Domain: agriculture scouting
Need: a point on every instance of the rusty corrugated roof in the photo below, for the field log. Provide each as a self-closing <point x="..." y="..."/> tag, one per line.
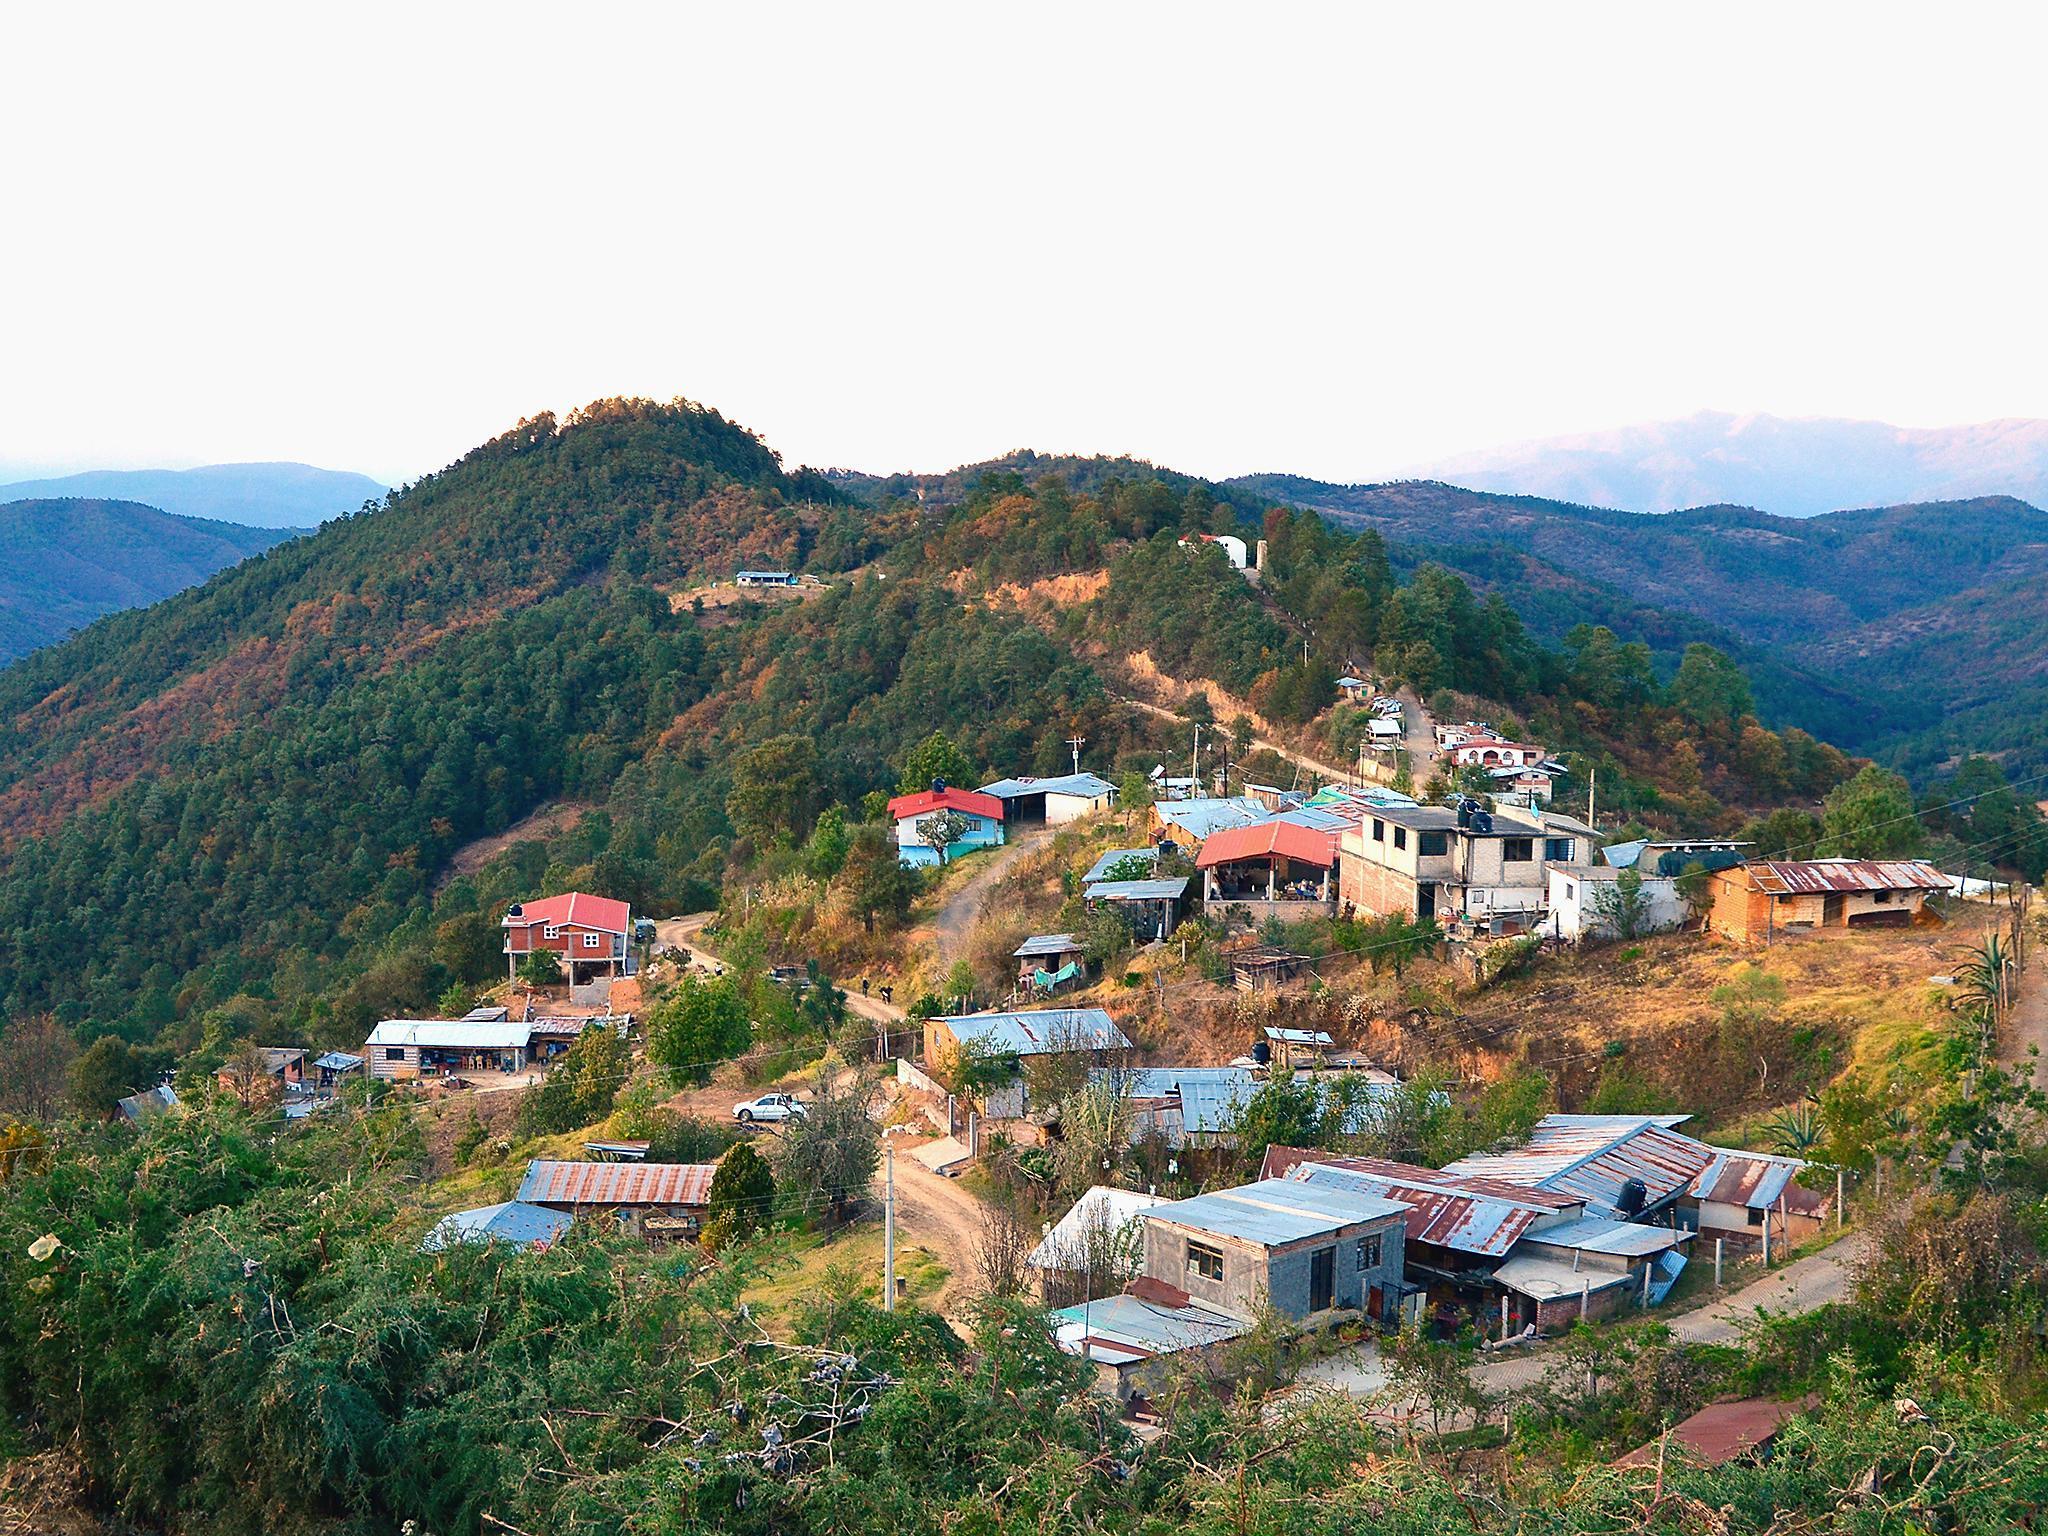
<point x="1593" y="1156"/>
<point x="1814" y="877"/>
<point x="1475" y="1215"/>
<point x="1722" y="1431"/>
<point x="605" y="1184"/>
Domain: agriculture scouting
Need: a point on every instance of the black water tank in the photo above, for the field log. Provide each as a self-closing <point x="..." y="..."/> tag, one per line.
<point x="1464" y="813"/>
<point x="938" y="786"/>
<point x="1482" y="821"/>
<point x="1262" y="1053"/>
<point x="515" y="910"/>
<point x="1634" y="1196"/>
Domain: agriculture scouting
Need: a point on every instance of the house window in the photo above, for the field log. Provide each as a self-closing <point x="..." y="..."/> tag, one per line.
<point x="1205" y="1262"/>
<point x="1517" y="850"/>
<point x="1558" y="850"/>
<point x="394" y="1053"/>
<point x="1379" y="831"/>
<point x="1756" y="1216"/>
<point x="592" y="941"/>
<point x="1433" y="845"/>
<point x="1570" y="893"/>
<point x="552" y="931"/>
<point x="1881" y="896"/>
<point x="1369" y="1253"/>
<point x="1400" y="837"/>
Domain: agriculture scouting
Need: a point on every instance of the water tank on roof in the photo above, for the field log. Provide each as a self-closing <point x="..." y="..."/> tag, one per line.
<point x="1465" y="809"/>
<point x="1633" y="1197"/>
<point x="1482" y="821"/>
<point x="515" y="910"/>
<point x="938" y="786"/>
<point x="1262" y="1053"/>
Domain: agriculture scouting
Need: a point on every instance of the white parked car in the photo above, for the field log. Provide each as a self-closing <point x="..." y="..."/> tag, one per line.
<point x="769" y="1107"/>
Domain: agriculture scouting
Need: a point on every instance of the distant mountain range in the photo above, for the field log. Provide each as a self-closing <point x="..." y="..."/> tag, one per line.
<point x="65" y="562"/>
<point x="1794" y="467"/>
<point x="255" y="495"/>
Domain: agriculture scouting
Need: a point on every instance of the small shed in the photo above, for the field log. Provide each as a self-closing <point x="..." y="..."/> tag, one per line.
<point x="1721" y="1432"/>
<point x="1264" y="967"/>
<point x="1048" y="961"/>
<point x="651" y="1198"/>
<point x="1151" y="907"/>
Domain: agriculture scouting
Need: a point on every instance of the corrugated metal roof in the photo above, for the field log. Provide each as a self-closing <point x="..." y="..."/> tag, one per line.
<point x="1622" y="1239"/>
<point x="1211" y="1098"/>
<point x="1046" y="944"/>
<point x="1120" y="1330"/>
<point x="1593" y="1156"/>
<point x="1087" y="786"/>
<point x="1298" y="1036"/>
<point x="1205" y="816"/>
<point x="1449" y="1213"/>
<point x="1137" y="890"/>
<point x="339" y="1061"/>
<point x="1754" y="1179"/>
<point x="1808" y="877"/>
<point x="1274" y="1212"/>
<point x="515" y="1223"/>
<point x="1263" y="840"/>
<point x="1033" y="1032"/>
<point x="1103" y="1209"/>
<point x="549" y="1182"/>
<point x="1115" y="856"/>
<point x="453" y="1034"/>
<point x="1720" y="1432"/>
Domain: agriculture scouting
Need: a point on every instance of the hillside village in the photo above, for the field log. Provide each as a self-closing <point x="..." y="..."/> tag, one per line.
<point x="1232" y="1022"/>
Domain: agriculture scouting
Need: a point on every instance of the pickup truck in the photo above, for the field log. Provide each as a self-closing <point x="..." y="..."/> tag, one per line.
<point x="769" y="1107"/>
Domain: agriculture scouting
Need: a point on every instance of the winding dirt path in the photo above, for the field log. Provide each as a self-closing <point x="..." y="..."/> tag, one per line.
<point x="956" y="915"/>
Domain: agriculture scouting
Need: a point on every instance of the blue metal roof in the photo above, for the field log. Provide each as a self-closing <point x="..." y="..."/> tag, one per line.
<point x="1275" y="1212"/>
<point x="1121" y="1330"/>
<point x="1088" y="786"/>
<point x="1036" y="1031"/>
<point x="513" y="1222"/>
<point x="1211" y="1098"/>
<point x="1138" y="890"/>
<point x="339" y="1061"/>
<point x="1199" y="818"/>
<point x="1116" y="856"/>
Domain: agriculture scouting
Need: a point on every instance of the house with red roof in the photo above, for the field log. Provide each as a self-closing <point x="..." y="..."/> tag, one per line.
<point x="1272" y="866"/>
<point x="913" y="815"/>
<point x="590" y="935"/>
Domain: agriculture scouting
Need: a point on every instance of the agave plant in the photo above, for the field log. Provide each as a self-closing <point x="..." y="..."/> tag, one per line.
<point x="1794" y="1130"/>
<point x="1983" y="979"/>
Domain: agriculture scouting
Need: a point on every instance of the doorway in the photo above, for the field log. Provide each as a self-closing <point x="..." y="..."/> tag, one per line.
<point x="1322" y="1279"/>
<point x="1425" y="901"/>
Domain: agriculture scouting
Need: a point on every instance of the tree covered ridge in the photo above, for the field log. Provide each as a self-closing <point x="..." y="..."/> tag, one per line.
<point x="248" y="795"/>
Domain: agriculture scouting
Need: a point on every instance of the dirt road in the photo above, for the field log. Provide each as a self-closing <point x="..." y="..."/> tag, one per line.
<point x="2027" y="1030"/>
<point x="955" y="919"/>
<point x="1330" y="772"/>
<point x="1805" y="1285"/>
<point x="936" y="1213"/>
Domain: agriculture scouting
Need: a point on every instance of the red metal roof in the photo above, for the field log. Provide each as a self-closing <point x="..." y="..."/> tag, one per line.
<point x="1807" y="877"/>
<point x="577" y="907"/>
<point x="607" y="1184"/>
<point x="970" y="801"/>
<point x="1262" y="839"/>
<point x="1722" y="1431"/>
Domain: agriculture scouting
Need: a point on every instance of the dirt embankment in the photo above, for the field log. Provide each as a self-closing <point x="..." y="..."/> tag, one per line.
<point x="549" y="821"/>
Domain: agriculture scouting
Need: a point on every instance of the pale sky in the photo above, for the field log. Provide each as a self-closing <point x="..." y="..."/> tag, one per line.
<point x="1229" y="238"/>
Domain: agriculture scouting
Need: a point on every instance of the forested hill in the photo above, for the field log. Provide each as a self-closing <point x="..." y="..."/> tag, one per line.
<point x="1889" y="629"/>
<point x="235" y="812"/>
<point x="65" y="562"/>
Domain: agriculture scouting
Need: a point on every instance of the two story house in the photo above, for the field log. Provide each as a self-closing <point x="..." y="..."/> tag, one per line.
<point x="589" y="935"/>
<point x="1483" y="867"/>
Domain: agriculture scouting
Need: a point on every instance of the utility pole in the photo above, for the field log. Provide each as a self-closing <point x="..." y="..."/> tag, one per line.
<point x="1592" y="778"/>
<point x="1195" y="762"/>
<point x="889" y="1237"/>
<point x="1077" y="743"/>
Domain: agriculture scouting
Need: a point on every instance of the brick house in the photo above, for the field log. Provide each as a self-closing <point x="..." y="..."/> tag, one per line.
<point x="1754" y="902"/>
<point x="590" y="935"/>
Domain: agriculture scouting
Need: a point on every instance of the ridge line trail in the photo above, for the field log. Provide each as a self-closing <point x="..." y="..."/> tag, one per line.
<point x="1420" y="738"/>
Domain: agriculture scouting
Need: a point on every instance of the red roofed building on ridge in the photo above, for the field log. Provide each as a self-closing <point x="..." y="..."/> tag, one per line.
<point x="982" y="813"/>
<point x="590" y="935"/>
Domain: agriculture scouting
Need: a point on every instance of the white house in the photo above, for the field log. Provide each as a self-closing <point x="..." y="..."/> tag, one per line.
<point x="1574" y="902"/>
<point x="1232" y="546"/>
<point x="1030" y="801"/>
<point x="1492" y="752"/>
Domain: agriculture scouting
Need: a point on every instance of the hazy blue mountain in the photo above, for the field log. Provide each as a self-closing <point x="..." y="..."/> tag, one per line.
<point x="66" y="562"/>
<point x="1796" y="468"/>
<point x="253" y="495"/>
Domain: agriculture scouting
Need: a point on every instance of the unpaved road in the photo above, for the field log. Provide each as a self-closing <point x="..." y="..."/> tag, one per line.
<point x="1330" y="771"/>
<point x="956" y="916"/>
<point x="936" y="1213"/>
<point x="2027" y="1029"/>
<point x="1805" y="1285"/>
